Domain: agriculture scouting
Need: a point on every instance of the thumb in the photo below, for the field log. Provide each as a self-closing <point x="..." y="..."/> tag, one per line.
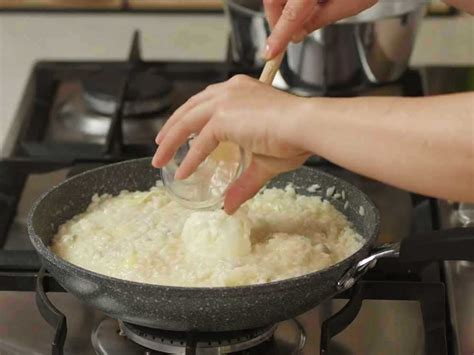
<point x="247" y="185"/>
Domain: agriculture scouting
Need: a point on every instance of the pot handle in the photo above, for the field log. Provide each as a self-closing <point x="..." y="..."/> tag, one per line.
<point x="447" y="244"/>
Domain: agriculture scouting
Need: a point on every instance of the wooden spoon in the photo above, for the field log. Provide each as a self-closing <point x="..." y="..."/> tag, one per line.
<point x="270" y="69"/>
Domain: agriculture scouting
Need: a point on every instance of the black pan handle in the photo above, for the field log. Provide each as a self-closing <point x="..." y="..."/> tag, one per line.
<point x="447" y="244"/>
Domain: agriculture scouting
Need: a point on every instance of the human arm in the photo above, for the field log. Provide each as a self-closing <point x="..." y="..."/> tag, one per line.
<point x="421" y="144"/>
<point x="424" y="145"/>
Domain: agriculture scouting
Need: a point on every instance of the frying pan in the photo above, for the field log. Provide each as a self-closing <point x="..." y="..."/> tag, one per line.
<point x="221" y="308"/>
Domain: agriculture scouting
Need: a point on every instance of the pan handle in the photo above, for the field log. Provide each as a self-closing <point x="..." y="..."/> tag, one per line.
<point x="447" y="244"/>
<point x="355" y="272"/>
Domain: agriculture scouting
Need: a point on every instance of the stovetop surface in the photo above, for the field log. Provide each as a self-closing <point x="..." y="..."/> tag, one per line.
<point x="45" y="152"/>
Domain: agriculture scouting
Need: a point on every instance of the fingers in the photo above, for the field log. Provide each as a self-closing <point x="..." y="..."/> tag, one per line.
<point x="334" y="10"/>
<point x="301" y="34"/>
<point x="261" y="170"/>
<point x="291" y="21"/>
<point x="246" y="186"/>
<point x="273" y="9"/>
<point x="195" y="100"/>
<point x="202" y="146"/>
<point x="300" y="17"/>
<point x="192" y="122"/>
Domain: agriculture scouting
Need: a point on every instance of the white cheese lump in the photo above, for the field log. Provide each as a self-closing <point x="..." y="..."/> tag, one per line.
<point x="147" y="237"/>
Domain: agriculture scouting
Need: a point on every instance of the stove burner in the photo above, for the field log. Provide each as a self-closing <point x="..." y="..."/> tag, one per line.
<point x="148" y="93"/>
<point x="108" y="339"/>
<point x="93" y="127"/>
<point x="112" y="337"/>
<point x="171" y="342"/>
<point x="73" y="121"/>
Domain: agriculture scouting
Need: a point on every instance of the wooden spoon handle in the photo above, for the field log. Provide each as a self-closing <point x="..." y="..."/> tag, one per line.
<point x="271" y="68"/>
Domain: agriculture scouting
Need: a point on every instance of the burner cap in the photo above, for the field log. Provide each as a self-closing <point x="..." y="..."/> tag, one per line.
<point x="148" y="92"/>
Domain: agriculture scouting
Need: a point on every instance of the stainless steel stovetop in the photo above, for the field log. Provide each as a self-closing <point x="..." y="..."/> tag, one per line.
<point x="48" y="131"/>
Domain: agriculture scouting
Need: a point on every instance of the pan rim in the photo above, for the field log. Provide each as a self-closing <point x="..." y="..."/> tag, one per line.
<point x="44" y="251"/>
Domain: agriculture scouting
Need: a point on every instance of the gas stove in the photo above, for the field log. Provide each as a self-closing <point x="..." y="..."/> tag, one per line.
<point x="78" y="110"/>
<point x="78" y="115"/>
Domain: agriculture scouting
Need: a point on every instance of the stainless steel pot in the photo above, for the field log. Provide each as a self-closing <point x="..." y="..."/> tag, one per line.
<point x="373" y="47"/>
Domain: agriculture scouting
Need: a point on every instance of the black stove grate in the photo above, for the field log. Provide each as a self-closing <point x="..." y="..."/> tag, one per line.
<point x="14" y="173"/>
<point x="430" y="295"/>
<point x="50" y="313"/>
<point x="114" y="141"/>
<point x="14" y="276"/>
<point x="37" y="103"/>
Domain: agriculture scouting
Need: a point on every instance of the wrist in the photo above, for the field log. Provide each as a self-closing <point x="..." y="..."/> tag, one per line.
<point x="308" y="123"/>
<point x="321" y="120"/>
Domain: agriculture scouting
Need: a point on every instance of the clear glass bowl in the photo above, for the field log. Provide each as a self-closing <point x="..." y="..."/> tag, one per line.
<point x="206" y="187"/>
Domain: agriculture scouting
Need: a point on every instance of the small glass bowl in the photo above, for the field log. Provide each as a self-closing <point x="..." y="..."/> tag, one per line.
<point x="206" y="187"/>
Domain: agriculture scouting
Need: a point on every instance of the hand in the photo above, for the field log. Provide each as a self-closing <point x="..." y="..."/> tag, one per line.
<point x="292" y="20"/>
<point x="257" y="117"/>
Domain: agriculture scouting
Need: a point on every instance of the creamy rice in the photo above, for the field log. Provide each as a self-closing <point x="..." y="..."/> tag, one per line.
<point x="147" y="237"/>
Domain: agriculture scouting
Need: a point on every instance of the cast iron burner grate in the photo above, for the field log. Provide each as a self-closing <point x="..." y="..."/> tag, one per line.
<point x="108" y="109"/>
<point x="114" y="337"/>
<point x="148" y="93"/>
<point x="15" y="275"/>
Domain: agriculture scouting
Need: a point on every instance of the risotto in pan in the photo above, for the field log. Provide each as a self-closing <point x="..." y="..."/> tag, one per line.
<point x="147" y="237"/>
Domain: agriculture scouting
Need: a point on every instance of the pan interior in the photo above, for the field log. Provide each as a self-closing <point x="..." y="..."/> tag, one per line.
<point x="74" y="195"/>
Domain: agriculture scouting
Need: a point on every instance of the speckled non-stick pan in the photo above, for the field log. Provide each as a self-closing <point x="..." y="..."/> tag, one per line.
<point x="219" y="308"/>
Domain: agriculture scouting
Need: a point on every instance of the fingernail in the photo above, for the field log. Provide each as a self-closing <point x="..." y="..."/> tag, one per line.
<point x="297" y="39"/>
<point x="229" y="210"/>
<point x="154" y="162"/>
<point x="268" y="52"/>
<point x="178" y="175"/>
<point x="159" y="138"/>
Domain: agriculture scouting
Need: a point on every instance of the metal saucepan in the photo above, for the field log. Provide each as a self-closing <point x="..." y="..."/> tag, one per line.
<point x="372" y="47"/>
<point x="220" y="308"/>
